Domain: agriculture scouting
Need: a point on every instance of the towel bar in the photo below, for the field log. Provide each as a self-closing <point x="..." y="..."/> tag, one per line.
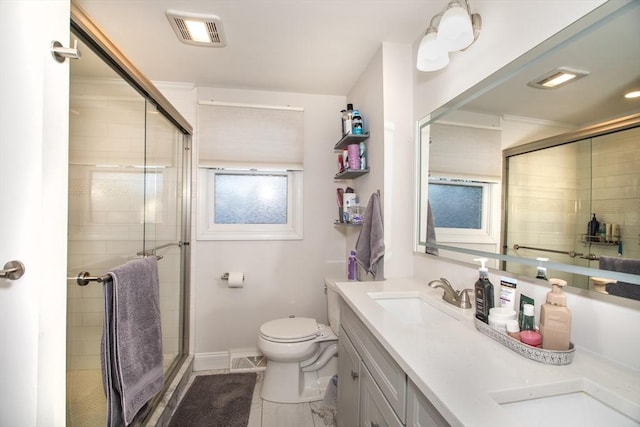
<point x="84" y="277"/>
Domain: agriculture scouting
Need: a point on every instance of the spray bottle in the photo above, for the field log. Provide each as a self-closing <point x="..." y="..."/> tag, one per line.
<point x="484" y="292"/>
<point x="351" y="266"/>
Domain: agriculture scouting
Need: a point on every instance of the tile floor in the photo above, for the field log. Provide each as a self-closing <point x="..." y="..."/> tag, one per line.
<point x="269" y="414"/>
<point x="88" y="405"/>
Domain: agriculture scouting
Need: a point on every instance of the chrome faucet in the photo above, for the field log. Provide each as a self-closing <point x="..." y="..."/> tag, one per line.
<point x="450" y="295"/>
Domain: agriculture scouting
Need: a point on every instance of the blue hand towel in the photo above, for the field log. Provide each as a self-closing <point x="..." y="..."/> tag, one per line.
<point x="370" y="244"/>
<point x="131" y="340"/>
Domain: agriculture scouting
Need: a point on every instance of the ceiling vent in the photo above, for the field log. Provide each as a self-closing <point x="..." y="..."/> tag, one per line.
<point x="197" y="29"/>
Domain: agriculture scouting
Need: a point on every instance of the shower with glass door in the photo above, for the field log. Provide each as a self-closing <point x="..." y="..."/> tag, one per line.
<point x="128" y="197"/>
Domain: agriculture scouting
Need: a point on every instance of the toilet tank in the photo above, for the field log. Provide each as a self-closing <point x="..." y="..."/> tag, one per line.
<point x="333" y="306"/>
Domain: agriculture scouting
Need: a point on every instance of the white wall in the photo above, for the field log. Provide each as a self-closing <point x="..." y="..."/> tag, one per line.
<point x="282" y="277"/>
<point x="383" y="94"/>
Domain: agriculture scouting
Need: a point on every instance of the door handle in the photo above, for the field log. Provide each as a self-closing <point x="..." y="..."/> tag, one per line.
<point x="354" y="375"/>
<point x="13" y="270"/>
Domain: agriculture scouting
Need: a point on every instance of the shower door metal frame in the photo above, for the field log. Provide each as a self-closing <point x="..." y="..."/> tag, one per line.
<point x="84" y="28"/>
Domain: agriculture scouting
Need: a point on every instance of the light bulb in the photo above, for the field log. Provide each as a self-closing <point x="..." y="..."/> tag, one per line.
<point x="432" y="56"/>
<point x="455" y="31"/>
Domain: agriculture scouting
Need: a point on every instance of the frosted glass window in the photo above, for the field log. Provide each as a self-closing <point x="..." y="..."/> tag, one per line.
<point x="250" y="205"/>
<point x="250" y="199"/>
<point x="456" y="205"/>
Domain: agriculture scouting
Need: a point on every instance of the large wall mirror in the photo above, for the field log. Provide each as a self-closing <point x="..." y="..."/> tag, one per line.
<point x="514" y="172"/>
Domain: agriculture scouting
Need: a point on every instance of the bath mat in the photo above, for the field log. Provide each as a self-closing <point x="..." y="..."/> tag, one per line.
<point x="222" y="400"/>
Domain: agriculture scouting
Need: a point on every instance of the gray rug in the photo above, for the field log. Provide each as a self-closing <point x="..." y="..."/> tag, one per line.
<point x="222" y="400"/>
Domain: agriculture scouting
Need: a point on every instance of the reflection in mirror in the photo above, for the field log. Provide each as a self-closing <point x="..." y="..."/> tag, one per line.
<point x="552" y="194"/>
<point x="461" y="145"/>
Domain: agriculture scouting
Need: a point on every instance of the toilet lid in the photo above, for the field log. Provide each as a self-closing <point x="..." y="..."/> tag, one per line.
<point x="290" y="329"/>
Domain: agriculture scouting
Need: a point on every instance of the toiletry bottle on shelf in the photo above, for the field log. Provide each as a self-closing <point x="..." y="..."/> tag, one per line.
<point x="351" y="271"/>
<point x="513" y="329"/>
<point x="363" y="157"/>
<point x="483" y="292"/>
<point x="555" y="318"/>
<point x="593" y="228"/>
<point x="541" y="272"/>
<point x="528" y="334"/>
<point x="357" y="127"/>
<point x="347" y="116"/>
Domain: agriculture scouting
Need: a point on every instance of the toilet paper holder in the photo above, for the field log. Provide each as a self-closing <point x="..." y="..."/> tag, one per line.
<point x="225" y="276"/>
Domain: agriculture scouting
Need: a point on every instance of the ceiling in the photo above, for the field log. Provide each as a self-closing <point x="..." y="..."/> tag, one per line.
<point x="323" y="46"/>
<point x="304" y="46"/>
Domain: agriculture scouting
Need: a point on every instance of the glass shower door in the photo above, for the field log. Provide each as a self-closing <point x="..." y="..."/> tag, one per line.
<point x="105" y="218"/>
<point x="163" y="221"/>
<point x="126" y="200"/>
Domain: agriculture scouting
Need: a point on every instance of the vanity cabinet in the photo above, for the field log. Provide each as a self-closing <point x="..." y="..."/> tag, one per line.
<point x="375" y="410"/>
<point x="373" y="390"/>
<point x="348" y="382"/>
<point x="421" y="412"/>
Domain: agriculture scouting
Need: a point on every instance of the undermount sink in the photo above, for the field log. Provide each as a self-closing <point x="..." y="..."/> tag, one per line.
<point x="410" y="308"/>
<point x="572" y="403"/>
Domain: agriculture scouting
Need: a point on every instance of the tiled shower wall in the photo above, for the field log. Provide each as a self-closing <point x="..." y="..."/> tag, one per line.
<point x="554" y="192"/>
<point x="108" y="212"/>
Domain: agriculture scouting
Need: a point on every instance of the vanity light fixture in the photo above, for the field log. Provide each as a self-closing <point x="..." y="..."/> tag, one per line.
<point x="197" y="29"/>
<point x="557" y="78"/>
<point x="452" y="30"/>
<point x="632" y="95"/>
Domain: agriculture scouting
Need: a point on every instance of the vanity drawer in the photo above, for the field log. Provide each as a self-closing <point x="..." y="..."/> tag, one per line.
<point x="387" y="374"/>
<point x="374" y="408"/>
<point x="421" y="412"/>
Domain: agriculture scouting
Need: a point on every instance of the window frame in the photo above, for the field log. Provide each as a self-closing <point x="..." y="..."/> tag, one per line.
<point x="209" y="230"/>
<point x="484" y="234"/>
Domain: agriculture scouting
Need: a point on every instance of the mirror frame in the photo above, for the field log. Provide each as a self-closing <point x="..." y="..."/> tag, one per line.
<point x="586" y="23"/>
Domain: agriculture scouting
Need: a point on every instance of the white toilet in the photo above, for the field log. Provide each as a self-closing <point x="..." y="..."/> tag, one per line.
<point x="300" y="355"/>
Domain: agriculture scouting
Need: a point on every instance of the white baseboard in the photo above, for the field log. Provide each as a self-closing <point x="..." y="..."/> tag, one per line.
<point x="209" y="361"/>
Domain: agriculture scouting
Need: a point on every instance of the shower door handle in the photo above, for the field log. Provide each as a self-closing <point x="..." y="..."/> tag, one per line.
<point x="13" y="270"/>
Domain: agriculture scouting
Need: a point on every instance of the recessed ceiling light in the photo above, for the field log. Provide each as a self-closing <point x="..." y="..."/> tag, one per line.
<point x="633" y="94"/>
<point x="557" y="78"/>
<point x="197" y="29"/>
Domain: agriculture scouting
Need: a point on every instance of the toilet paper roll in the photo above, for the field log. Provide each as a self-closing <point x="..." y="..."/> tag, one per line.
<point x="236" y="279"/>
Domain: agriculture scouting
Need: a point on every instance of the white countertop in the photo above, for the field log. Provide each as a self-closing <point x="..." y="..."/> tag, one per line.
<point x="458" y="368"/>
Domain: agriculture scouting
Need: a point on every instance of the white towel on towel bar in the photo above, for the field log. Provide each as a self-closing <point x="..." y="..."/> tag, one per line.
<point x="132" y="339"/>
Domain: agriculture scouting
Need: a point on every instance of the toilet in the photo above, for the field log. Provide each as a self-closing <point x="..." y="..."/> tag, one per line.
<point x="301" y="355"/>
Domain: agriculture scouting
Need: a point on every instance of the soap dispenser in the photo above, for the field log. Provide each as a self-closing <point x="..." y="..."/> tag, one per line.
<point x="555" y="318"/>
<point x="541" y="272"/>
<point x="484" y="292"/>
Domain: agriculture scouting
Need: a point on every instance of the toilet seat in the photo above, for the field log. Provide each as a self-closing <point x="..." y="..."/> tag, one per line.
<point x="293" y="329"/>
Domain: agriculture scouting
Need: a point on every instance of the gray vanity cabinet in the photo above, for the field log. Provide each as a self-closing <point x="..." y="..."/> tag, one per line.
<point x="375" y="410"/>
<point x="348" y="382"/>
<point x="373" y="390"/>
<point x="421" y="412"/>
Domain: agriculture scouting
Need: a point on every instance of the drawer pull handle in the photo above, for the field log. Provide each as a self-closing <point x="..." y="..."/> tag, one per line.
<point x="354" y="375"/>
<point x="374" y="424"/>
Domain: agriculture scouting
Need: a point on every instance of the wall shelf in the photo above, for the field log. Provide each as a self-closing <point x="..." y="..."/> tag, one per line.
<point x="350" y="139"/>
<point x="351" y="173"/>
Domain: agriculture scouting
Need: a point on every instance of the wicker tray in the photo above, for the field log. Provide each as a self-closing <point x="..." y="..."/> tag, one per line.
<point x="551" y="357"/>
